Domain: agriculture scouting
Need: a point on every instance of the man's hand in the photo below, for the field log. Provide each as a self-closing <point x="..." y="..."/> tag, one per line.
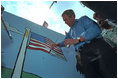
<point x="69" y="42"/>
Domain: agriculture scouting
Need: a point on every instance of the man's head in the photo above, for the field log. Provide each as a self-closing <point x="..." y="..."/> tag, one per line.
<point x="101" y="21"/>
<point x="98" y="17"/>
<point x="69" y="17"/>
<point x="104" y="24"/>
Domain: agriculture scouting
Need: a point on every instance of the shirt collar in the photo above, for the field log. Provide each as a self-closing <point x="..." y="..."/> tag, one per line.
<point x="76" y="20"/>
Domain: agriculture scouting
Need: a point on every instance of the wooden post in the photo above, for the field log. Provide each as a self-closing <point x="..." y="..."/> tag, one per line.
<point x="17" y="71"/>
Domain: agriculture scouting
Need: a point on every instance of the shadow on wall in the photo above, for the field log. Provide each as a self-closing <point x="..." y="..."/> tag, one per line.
<point x="5" y="40"/>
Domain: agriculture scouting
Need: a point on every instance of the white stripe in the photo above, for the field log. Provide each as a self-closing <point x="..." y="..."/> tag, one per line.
<point x="39" y="41"/>
<point x="47" y="49"/>
<point x="44" y="45"/>
<point x="39" y="47"/>
<point x="38" y="44"/>
<point x="35" y="40"/>
<point x="56" y="49"/>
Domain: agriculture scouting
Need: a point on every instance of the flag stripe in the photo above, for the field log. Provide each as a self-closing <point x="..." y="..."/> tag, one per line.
<point x="51" y="42"/>
<point x="44" y="48"/>
<point x="37" y="45"/>
<point x="38" y="49"/>
<point x="40" y="43"/>
<point x="58" y="52"/>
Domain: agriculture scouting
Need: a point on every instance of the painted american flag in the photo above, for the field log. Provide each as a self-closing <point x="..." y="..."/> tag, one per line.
<point x="39" y="42"/>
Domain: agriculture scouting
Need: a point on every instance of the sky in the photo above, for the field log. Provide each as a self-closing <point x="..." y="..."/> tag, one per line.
<point x="38" y="12"/>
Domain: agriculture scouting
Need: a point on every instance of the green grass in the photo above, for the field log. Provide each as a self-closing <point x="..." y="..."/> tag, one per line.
<point x="6" y="73"/>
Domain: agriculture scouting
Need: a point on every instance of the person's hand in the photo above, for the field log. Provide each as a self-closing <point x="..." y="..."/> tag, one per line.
<point x="69" y="42"/>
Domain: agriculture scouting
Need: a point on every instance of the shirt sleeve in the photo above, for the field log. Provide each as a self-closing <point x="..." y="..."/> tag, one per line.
<point x="67" y="37"/>
<point x="92" y="29"/>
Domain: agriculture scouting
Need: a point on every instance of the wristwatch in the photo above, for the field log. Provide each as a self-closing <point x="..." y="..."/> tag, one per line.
<point x="78" y="39"/>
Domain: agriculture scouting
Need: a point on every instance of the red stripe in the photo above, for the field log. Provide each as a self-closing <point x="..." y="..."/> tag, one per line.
<point x="38" y="49"/>
<point x="46" y="45"/>
<point x="58" y="52"/>
<point x="37" y="45"/>
<point x="49" y="40"/>
<point x="39" y="42"/>
<point x="43" y="50"/>
<point x="55" y="49"/>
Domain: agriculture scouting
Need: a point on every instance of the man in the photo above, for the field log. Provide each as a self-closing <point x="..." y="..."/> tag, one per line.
<point x="109" y="32"/>
<point x="97" y="57"/>
<point x="101" y="21"/>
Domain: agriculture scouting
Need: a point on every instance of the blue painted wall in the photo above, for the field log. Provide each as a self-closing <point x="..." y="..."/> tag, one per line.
<point x="36" y="62"/>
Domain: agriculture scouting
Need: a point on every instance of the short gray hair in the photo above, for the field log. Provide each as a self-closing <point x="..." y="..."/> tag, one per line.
<point x="68" y="12"/>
